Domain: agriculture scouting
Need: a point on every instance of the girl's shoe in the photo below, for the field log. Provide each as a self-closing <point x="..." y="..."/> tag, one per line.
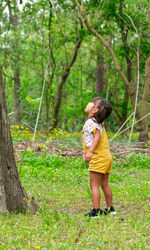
<point x="110" y="211"/>
<point x="94" y="213"/>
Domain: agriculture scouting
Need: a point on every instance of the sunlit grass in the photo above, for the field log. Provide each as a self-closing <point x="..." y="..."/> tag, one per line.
<point x="60" y="186"/>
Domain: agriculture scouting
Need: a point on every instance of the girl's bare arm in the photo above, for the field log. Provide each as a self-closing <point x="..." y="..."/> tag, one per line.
<point x="96" y="140"/>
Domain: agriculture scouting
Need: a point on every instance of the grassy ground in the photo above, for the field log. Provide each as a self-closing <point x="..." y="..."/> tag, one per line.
<point x="60" y="187"/>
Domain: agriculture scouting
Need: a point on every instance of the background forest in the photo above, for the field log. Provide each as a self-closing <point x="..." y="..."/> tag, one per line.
<point x="55" y="56"/>
<point x="45" y="44"/>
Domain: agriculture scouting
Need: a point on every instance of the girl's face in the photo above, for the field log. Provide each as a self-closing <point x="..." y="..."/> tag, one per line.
<point x="90" y="108"/>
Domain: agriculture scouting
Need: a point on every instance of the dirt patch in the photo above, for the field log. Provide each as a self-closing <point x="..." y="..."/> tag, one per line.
<point x="119" y="150"/>
<point x="122" y="151"/>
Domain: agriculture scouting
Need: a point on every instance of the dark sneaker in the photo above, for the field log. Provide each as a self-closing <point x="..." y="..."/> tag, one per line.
<point x="94" y="213"/>
<point x="110" y="211"/>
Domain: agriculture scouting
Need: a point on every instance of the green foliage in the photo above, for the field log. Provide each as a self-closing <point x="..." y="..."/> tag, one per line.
<point x="110" y="9"/>
<point x="136" y="161"/>
<point x="47" y="35"/>
<point x="33" y="101"/>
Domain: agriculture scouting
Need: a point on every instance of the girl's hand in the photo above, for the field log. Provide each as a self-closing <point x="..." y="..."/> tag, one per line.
<point x="88" y="156"/>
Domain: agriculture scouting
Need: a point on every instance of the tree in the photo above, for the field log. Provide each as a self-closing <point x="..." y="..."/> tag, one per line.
<point x="100" y="76"/>
<point x="43" y="41"/>
<point x="142" y="124"/>
<point x="14" y="21"/>
<point x="64" y="77"/>
<point x="13" y="196"/>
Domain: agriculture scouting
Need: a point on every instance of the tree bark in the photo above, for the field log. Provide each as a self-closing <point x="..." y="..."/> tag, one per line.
<point x="16" y="116"/>
<point x="144" y="133"/>
<point x="124" y="36"/>
<point x="13" y="196"/>
<point x="64" y="78"/>
<point x="51" y="69"/>
<point x="117" y="65"/>
<point x="100" y="79"/>
<point x="14" y="21"/>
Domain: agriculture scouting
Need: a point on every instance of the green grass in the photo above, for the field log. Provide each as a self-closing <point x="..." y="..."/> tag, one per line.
<point x="61" y="189"/>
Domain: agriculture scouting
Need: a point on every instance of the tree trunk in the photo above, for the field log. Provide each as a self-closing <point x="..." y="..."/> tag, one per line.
<point x="125" y="106"/>
<point x="64" y="77"/>
<point x="51" y="68"/>
<point x="16" y="116"/>
<point x="14" y="21"/>
<point x="124" y="36"/>
<point x="100" y="79"/>
<point x="144" y="133"/>
<point x="13" y="196"/>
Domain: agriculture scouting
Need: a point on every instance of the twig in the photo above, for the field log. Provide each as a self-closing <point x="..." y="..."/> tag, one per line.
<point x="121" y="127"/>
<point x="131" y="125"/>
<point x="138" y="75"/>
<point x="133" y="149"/>
<point x="37" y="119"/>
<point x="33" y="130"/>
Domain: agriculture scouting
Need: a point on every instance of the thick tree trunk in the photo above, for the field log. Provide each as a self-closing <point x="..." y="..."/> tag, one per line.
<point x="13" y="196"/>
<point x="64" y="77"/>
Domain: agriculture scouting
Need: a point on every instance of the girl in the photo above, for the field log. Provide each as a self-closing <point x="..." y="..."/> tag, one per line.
<point x="97" y="153"/>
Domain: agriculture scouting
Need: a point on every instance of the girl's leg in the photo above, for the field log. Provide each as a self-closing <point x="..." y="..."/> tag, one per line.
<point x="95" y="182"/>
<point x="107" y="190"/>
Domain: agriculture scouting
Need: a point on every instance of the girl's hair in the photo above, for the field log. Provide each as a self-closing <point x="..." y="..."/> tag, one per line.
<point x="104" y="109"/>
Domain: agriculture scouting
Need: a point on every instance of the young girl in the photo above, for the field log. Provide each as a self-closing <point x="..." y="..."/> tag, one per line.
<point x="97" y="153"/>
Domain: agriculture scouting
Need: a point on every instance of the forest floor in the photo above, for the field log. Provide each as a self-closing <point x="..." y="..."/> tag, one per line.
<point x="55" y="174"/>
<point x="59" y="148"/>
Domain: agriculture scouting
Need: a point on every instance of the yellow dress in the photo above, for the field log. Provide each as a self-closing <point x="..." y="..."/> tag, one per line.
<point x="101" y="161"/>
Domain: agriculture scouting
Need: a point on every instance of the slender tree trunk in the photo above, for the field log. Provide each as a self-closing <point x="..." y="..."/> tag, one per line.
<point x="16" y="116"/>
<point x="102" y="67"/>
<point x="124" y="36"/>
<point x="125" y="106"/>
<point x="100" y="79"/>
<point x="126" y="95"/>
<point x="144" y="133"/>
<point x="13" y="196"/>
<point x="63" y="80"/>
<point x="14" y="21"/>
<point x="51" y="68"/>
<point x="47" y="106"/>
